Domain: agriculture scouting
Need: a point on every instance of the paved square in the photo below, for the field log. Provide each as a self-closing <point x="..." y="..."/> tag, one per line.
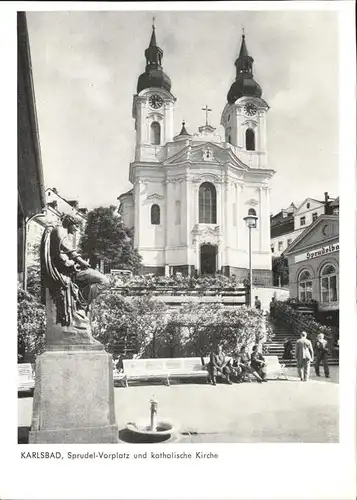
<point x="279" y="411"/>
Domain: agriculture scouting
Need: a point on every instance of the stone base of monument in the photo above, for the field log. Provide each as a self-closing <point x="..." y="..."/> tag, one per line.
<point x="74" y="398"/>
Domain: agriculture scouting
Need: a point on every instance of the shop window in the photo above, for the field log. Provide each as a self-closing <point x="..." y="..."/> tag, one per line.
<point x="328" y="283"/>
<point x="305" y="286"/>
<point x="207" y="201"/>
<point x="302" y="221"/>
<point x="314" y="216"/>
<point x="155" y="133"/>
<point x="155" y="215"/>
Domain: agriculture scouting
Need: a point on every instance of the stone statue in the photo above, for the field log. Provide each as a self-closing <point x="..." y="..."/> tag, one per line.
<point x="69" y="287"/>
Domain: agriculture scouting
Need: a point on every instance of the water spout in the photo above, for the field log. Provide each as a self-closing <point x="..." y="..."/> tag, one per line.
<point x="153" y="414"/>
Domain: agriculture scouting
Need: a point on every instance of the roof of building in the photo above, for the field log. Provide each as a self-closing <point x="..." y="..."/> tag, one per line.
<point x="308" y="230"/>
<point x="31" y="194"/>
<point x="72" y="203"/>
<point x="335" y="202"/>
<point x="286" y="227"/>
<point x="127" y="193"/>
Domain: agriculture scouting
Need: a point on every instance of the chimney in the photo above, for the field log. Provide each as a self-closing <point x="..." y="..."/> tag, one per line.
<point x="326" y="197"/>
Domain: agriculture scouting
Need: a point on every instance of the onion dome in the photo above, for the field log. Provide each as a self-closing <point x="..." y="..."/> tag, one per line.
<point x="244" y="84"/>
<point x="154" y="75"/>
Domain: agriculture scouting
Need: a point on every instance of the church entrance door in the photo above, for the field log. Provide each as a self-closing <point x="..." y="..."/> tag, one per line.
<point x="208" y="259"/>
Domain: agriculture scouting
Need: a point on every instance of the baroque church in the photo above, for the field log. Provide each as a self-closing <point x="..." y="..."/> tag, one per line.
<point x="191" y="192"/>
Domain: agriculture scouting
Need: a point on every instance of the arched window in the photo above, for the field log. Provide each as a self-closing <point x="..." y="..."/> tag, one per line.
<point x="328" y="283"/>
<point x="251" y="211"/>
<point x="249" y="140"/>
<point x="155" y="133"/>
<point x="207" y="204"/>
<point x="305" y="286"/>
<point x="155" y="214"/>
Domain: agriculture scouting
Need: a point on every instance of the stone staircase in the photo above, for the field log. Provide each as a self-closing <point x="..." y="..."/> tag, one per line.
<point x="281" y="331"/>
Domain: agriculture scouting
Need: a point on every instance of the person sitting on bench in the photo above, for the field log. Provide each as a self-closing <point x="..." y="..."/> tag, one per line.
<point x="258" y="364"/>
<point x="218" y="365"/>
<point x="237" y="370"/>
<point x="246" y="365"/>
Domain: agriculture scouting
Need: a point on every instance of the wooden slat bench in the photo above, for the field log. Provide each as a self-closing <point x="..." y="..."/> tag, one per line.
<point x="25" y="377"/>
<point x="274" y="369"/>
<point x="161" y="369"/>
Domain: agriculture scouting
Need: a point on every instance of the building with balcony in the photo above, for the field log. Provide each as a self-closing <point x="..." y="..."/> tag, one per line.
<point x="291" y="222"/>
<point x="56" y="206"/>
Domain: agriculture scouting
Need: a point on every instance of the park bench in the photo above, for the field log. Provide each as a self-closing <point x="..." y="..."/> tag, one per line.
<point x="25" y="377"/>
<point x="160" y="369"/>
<point x="274" y="369"/>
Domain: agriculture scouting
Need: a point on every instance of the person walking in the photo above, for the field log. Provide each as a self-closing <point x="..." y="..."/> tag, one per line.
<point x="304" y="355"/>
<point x="288" y="349"/>
<point x="257" y="303"/>
<point x="321" y="352"/>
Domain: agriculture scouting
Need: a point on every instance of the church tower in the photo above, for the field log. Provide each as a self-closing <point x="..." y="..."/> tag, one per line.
<point x="244" y="116"/>
<point x="153" y="106"/>
<point x="191" y="191"/>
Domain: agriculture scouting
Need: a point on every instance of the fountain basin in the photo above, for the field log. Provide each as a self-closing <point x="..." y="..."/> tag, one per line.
<point x="140" y="432"/>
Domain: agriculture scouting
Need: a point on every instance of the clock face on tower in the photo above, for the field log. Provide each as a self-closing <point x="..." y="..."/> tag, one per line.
<point x="250" y="109"/>
<point x="156" y="101"/>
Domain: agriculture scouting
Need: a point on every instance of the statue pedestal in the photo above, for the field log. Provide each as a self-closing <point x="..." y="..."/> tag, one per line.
<point x="74" y="398"/>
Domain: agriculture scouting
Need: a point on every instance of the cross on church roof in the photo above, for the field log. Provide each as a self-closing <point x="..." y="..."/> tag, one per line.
<point x="207" y="109"/>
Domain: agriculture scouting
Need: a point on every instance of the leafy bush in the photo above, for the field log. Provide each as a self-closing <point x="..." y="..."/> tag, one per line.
<point x="147" y="327"/>
<point x="298" y="321"/>
<point x="206" y="325"/>
<point x="177" y="281"/>
<point x="128" y="324"/>
<point x="34" y="281"/>
<point x="31" y="327"/>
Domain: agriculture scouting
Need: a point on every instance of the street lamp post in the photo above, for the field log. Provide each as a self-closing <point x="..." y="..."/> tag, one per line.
<point x="251" y="221"/>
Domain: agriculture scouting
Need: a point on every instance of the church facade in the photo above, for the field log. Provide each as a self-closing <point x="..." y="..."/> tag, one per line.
<point x="191" y="191"/>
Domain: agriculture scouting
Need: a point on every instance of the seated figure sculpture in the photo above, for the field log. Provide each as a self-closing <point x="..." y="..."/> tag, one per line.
<point x="70" y="285"/>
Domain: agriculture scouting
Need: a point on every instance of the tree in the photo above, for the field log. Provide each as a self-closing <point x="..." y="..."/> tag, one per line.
<point x="280" y="269"/>
<point x="31" y="327"/>
<point x="107" y="239"/>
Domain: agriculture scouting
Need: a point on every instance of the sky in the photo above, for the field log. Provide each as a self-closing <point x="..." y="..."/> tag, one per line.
<point x="85" y="71"/>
